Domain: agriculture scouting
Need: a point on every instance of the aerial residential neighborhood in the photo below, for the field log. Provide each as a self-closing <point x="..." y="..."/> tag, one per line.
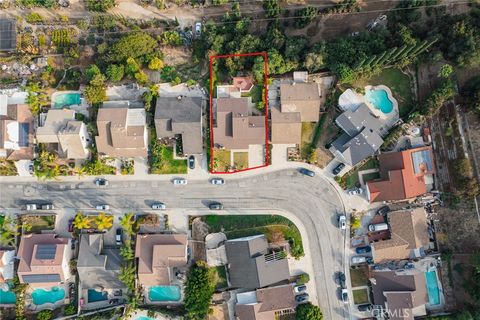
<point x="239" y="160"/>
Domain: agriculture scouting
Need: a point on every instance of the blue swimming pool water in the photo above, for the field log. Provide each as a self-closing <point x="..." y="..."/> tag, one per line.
<point x="94" y="295"/>
<point x="379" y="98"/>
<point x="7" y="297"/>
<point x="66" y="99"/>
<point x="164" y="293"/>
<point x="143" y="318"/>
<point x="432" y="288"/>
<point x="41" y="296"/>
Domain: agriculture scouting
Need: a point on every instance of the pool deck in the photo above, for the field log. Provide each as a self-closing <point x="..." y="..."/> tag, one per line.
<point x="389" y="118"/>
<point x="431" y="264"/>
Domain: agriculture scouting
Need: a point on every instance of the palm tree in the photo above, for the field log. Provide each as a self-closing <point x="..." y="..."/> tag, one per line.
<point x="103" y="221"/>
<point x="128" y="223"/>
<point x="81" y="221"/>
<point x="126" y="251"/>
<point x="9" y="232"/>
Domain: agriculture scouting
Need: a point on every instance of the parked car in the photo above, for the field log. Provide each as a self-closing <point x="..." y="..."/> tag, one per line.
<point x="355" y="191"/>
<point x="215" y="206"/>
<point x="341" y="279"/>
<point x="191" y="162"/>
<point x="179" y="181"/>
<point x="118" y="236"/>
<point x="159" y="206"/>
<point x="345" y="295"/>
<point x="364" y="307"/>
<point x="383" y="210"/>
<point x="338" y="168"/>
<point x="359" y="259"/>
<point x="306" y="172"/>
<point x="342" y="222"/>
<point x="217" y="181"/>
<point x="48" y="206"/>
<point x="198" y="29"/>
<point x="101" y="182"/>
<point x="378" y="227"/>
<point x="31" y="206"/>
<point x="102" y="207"/>
<point x="31" y="168"/>
<point x="70" y="225"/>
<point x="365" y="249"/>
<point x="302" y="298"/>
<point x="299" y="289"/>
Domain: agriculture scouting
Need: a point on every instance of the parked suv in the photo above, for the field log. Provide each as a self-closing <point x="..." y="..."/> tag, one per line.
<point x="383" y="210"/>
<point x="306" y="172"/>
<point x="378" y="227"/>
<point x="215" y="206"/>
<point x="342" y="222"/>
<point x="338" y="168"/>
<point x="191" y="162"/>
<point x="118" y="237"/>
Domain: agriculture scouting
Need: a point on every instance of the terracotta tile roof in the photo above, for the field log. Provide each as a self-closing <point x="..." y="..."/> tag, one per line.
<point x="243" y="83"/>
<point x="408" y="232"/>
<point x="402" y="175"/>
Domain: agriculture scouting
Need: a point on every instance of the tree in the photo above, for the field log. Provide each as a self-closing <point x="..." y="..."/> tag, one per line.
<point x="305" y="16"/>
<point x="9" y="232"/>
<point x="272" y="8"/>
<point x="99" y="5"/>
<point x="138" y="45"/>
<point x="98" y="80"/>
<point x="95" y="94"/>
<point x="126" y="251"/>
<point x="92" y="71"/>
<point x="80" y="221"/>
<point x="36" y="99"/>
<point x="127" y="222"/>
<point x="307" y="311"/>
<point x="45" y="315"/>
<point x="444" y="92"/>
<point x="155" y="64"/>
<point x="303" y="278"/>
<point x="171" y="38"/>
<point x="115" y="72"/>
<point x="132" y="67"/>
<point x="314" y="61"/>
<point x="141" y="77"/>
<point x="345" y="73"/>
<point x="445" y="71"/>
<point x="199" y="290"/>
<point x="103" y="221"/>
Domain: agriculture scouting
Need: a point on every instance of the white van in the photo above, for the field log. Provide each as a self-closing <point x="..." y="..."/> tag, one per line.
<point x="378" y="227"/>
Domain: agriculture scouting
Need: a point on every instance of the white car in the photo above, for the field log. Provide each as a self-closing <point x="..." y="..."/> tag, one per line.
<point x="159" y="206"/>
<point x="355" y="191"/>
<point x="31" y="206"/>
<point x="198" y="29"/>
<point x="342" y="222"/>
<point x="358" y="259"/>
<point x="178" y="181"/>
<point x="102" y="207"/>
<point x="218" y="181"/>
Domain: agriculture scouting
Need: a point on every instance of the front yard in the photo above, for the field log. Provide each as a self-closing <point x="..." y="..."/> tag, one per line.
<point x="276" y="229"/>
<point x="358" y="276"/>
<point x="351" y="178"/>
<point x="360" y="296"/>
<point x="240" y="160"/>
<point x="7" y="168"/>
<point x="221" y="160"/>
<point x="34" y="224"/>
<point x="162" y="162"/>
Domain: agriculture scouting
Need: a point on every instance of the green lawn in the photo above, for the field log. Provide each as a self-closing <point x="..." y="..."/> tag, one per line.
<point x="398" y="82"/>
<point x="307" y="135"/>
<point x="248" y="225"/>
<point x="255" y="93"/>
<point x="221" y="160"/>
<point x="240" y="160"/>
<point x="358" y="277"/>
<point x="360" y="296"/>
<point x="350" y="179"/>
<point x="221" y="277"/>
<point x="371" y="176"/>
<point x="162" y="162"/>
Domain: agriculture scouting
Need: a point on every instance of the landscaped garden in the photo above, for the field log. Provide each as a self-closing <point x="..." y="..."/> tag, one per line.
<point x="34" y="224"/>
<point x="8" y="231"/>
<point x="7" y="168"/>
<point x="161" y="159"/>
<point x="276" y="228"/>
<point x="351" y="178"/>
<point x="240" y="160"/>
<point x="360" y="296"/>
<point x="221" y="160"/>
<point x="100" y="222"/>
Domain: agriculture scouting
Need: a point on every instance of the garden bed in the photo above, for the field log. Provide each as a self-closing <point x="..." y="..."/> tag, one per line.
<point x="162" y="161"/>
<point x="359" y="276"/>
<point x="360" y="296"/>
<point x="35" y="224"/>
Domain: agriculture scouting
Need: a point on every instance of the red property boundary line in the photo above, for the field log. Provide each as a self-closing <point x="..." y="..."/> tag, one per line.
<point x="265" y="96"/>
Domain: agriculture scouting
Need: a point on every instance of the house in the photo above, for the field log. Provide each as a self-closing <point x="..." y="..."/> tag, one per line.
<point x="99" y="267"/>
<point x="16" y="130"/>
<point x="301" y="97"/>
<point x="234" y="128"/>
<point x="122" y="131"/>
<point x="251" y="265"/>
<point x="8" y="34"/>
<point x="159" y="256"/>
<point x="361" y="138"/>
<point x="286" y="127"/>
<point x="44" y="259"/>
<point x="7" y="261"/>
<point x="265" y="304"/>
<point x="409" y="236"/>
<point x="402" y="293"/>
<point x="239" y="86"/>
<point x="181" y="116"/>
<point x="68" y="136"/>
<point x="404" y="175"/>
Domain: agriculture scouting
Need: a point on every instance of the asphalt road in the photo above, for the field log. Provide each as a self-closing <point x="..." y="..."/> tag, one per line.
<point x="312" y="200"/>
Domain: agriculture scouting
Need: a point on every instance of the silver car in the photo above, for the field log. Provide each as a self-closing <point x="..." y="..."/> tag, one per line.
<point x="159" y="206"/>
<point x="218" y="181"/>
<point x="102" y="207"/>
<point x="179" y="181"/>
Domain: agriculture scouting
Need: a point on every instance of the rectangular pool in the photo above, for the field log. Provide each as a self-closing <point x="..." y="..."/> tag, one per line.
<point x="62" y="100"/>
<point x="432" y="288"/>
<point x="95" y="296"/>
<point x="164" y="293"/>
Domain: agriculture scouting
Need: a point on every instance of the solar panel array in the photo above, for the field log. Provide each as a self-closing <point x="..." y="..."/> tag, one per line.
<point x="23" y="134"/>
<point x="46" y="251"/>
<point x="8" y="34"/>
<point x="36" y="278"/>
<point x="422" y="160"/>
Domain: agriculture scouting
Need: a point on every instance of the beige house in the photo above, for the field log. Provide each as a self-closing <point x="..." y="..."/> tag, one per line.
<point x="286" y="127"/>
<point x="44" y="260"/>
<point x="158" y="256"/>
<point x="122" y="132"/>
<point x="409" y="237"/>
<point x="69" y="136"/>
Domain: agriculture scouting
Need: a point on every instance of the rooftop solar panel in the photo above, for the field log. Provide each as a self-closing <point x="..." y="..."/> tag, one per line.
<point x="46" y="252"/>
<point x="23" y="134"/>
<point x="422" y="161"/>
<point x="36" y="278"/>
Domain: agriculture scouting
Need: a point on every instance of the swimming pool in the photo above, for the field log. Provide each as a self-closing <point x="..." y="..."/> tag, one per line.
<point x="7" y="297"/>
<point x="95" y="296"/>
<point x="432" y="287"/>
<point x="379" y="98"/>
<point x="164" y="293"/>
<point x="62" y="100"/>
<point x="41" y="296"/>
<point x="143" y="318"/>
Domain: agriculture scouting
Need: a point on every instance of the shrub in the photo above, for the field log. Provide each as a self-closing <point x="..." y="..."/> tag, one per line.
<point x="303" y="278"/>
<point x="99" y="5"/>
<point x="155" y="64"/>
<point x="115" y="72"/>
<point x="199" y="290"/>
<point x="34" y="17"/>
<point x="45" y="315"/>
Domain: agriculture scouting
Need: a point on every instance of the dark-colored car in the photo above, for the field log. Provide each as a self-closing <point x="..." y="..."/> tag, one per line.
<point x="300" y="288"/>
<point x="364" y="307"/>
<point x="191" y="162"/>
<point x="338" y="168"/>
<point x="365" y="249"/>
<point x="383" y="210"/>
<point x="307" y="172"/>
<point x="341" y="279"/>
<point x="302" y="297"/>
<point x="101" y="182"/>
<point x="70" y="225"/>
<point x="215" y="206"/>
<point x="118" y="237"/>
